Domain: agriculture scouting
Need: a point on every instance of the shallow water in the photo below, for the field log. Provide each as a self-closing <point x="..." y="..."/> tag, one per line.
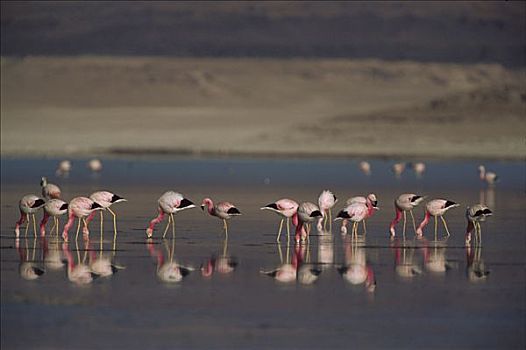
<point x="373" y="294"/>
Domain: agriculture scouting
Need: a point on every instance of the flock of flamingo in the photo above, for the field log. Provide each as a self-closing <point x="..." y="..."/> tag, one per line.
<point x="356" y="210"/>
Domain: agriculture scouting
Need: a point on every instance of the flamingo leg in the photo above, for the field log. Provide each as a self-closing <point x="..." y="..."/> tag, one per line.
<point x="226" y="228"/>
<point x="330" y="220"/>
<point x="405" y="218"/>
<point x="280" y="227"/>
<point x="34" y="225"/>
<point x="288" y="230"/>
<point x="479" y="234"/>
<point x="101" y="223"/>
<point x="54" y="224"/>
<point x="364" y="228"/>
<point x="445" y="225"/>
<point x="173" y="226"/>
<point x="436" y="227"/>
<point x="167" y="225"/>
<point x="78" y="229"/>
<point x="114" y="222"/>
<point x="27" y="226"/>
<point x="413" y="218"/>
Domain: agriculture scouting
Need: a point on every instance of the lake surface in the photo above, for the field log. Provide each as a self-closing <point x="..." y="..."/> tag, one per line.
<point x="372" y="293"/>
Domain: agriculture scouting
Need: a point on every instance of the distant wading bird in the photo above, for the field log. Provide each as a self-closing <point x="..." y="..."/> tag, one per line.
<point x="49" y="190"/>
<point x="489" y="177"/>
<point x="81" y="208"/>
<point x="28" y="205"/>
<point x="95" y="165"/>
<point x="436" y="207"/>
<point x="222" y="210"/>
<point x="105" y="199"/>
<point x="63" y="169"/>
<point x="405" y="203"/>
<point x="326" y="201"/>
<point x="419" y="169"/>
<point x="365" y="167"/>
<point x="169" y="203"/>
<point x="476" y="214"/>
<point x="53" y="208"/>
<point x="286" y="208"/>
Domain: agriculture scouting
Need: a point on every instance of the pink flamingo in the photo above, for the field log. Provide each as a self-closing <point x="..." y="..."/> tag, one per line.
<point x="356" y="270"/>
<point x="78" y="273"/>
<point x="286" y="208"/>
<point x="307" y="213"/>
<point x="405" y="203"/>
<point x="105" y="199"/>
<point x="436" y="207"/>
<point x="81" y="208"/>
<point x="169" y="203"/>
<point x="398" y="169"/>
<point x="489" y="177"/>
<point x="365" y="167"/>
<point x="419" y="169"/>
<point x="28" y="205"/>
<point x="49" y="190"/>
<point x="370" y="201"/>
<point x="222" y="210"/>
<point x="326" y="201"/>
<point x="63" y="168"/>
<point x="53" y="208"/>
<point x="475" y="215"/>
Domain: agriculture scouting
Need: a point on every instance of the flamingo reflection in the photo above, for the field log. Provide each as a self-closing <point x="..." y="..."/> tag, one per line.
<point x="221" y="263"/>
<point x="435" y="260"/>
<point x="78" y="271"/>
<point x="168" y="270"/>
<point x="297" y="268"/>
<point x="325" y="249"/>
<point x="53" y="258"/>
<point x="102" y="264"/>
<point x="356" y="271"/>
<point x="29" y="268"/>
<point x="476" y="269"/>
<point x="405" y="265"/>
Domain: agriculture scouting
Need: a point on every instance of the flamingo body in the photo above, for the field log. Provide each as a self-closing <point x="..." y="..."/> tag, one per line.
<point x="436" y="208"/>
<point x="53" y="208"/>
<point x="221" y="210"/>
<point x="28" y="205"/>
<point x="285" y="208"/>
<point x="405" y="203"/>
<point x="169" y="203"/>
<point x="49" y="190"/>
<point x="474" y="215"/>
<point x="81" y="208"/>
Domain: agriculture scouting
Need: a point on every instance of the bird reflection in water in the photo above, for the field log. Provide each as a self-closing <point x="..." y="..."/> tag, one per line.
<point x="405" y="265"/>
<point x="435" y="260"/>
<point x="356" y="270"/>
<point x="476" y="269"/>
<point x="487" y="197"/>
<point x="168" y="270"/>
<point x="298" y="268"/>
<point x="102" y="264"/>
<point x="221" y="263"/>
<point x="29" y="268"/>
<point x="325" y="250"/>
<point x="78" y="271"/>
<point x="53" y="257"/>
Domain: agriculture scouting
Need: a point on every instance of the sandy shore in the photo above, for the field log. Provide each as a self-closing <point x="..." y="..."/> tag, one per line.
<point x="101" y="106"/>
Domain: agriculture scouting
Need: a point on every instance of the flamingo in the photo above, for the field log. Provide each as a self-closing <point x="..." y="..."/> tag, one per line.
<point x="369" y="201"/>
<point x="294" y="269"/>
<point x="365" y="167"/>
<point x="419" y="169"/>
<point x="286" y="208"/>
<point x="102" y="265"/>
<point x="326" y="201"/>
<point x="28" y="205"/>
<point x="222" y="210"/>
<point x="436" y="207"/>
<point x="355" y="212"/>
<point x="81" y="208"/>
<point x="63" y="168"/>
<point x="95" y="165"/>
<point x="405" y="203"/>
<point x="398" y="169"/>
<point x="489" y="177"/>
<point x="105" y="199"/>
<point x="475" y="214"/>
<point x="222" y="263"/>
<point x="169" y="203"/>
<point x="53" y="208"/>
<point x="49" y="190"/>
<point x="307" y="213"/>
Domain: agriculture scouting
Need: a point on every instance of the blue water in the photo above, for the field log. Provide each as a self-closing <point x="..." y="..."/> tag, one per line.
<point x="242" y="308"/>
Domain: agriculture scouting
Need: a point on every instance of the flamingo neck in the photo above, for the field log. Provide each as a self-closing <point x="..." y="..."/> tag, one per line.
<point x="397" y="218"/>
<point x="67" y="226"/>
<point x="43" y="223"/>
<point x="156" y="220"/>
<point x="424" y="222"/>
<point x="470" y="227"/>
<point x="295" y="220"/>
<point x="209" y="206"/>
